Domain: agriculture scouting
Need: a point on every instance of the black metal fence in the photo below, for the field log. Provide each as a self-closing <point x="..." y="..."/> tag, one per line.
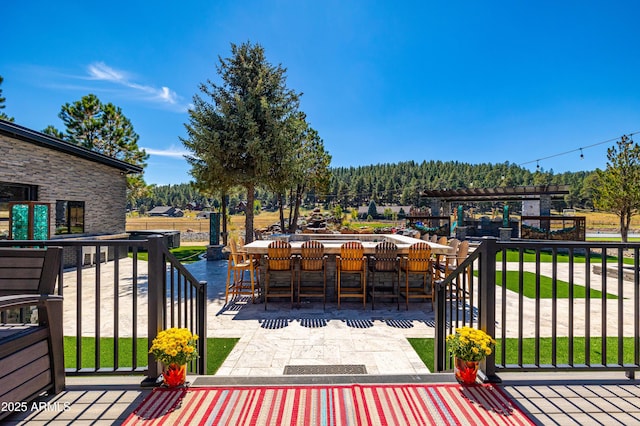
<point x="550" y="305"/>
<point x="115" y="303"/>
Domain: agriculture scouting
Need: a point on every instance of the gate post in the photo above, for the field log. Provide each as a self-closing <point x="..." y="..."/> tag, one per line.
<point x="202" y="327"/>
<point x="156" y="288"/>
<point x="440" y="345"/>
<point x="487" y="301"/>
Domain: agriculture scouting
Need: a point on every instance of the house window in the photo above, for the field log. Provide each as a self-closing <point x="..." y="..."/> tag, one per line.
<point x="13" y="192"/>
<point x="69" y="217"/>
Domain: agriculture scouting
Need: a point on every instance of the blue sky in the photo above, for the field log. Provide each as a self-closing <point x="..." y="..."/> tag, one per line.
<point x="382" y="81"/>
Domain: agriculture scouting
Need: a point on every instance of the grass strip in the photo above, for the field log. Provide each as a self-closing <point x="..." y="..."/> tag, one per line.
<point x="186" y="254"/>
<point x="529" y="255"/>
<point x="218" y="348"/>
<point x="546" y="286"/>
<point x="611" y="239"/>
<point x="424" y="348"/>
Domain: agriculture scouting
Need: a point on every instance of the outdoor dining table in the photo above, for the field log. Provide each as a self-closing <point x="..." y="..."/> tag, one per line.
<point x="332" y="245"/>
<point x="333" y="242"/>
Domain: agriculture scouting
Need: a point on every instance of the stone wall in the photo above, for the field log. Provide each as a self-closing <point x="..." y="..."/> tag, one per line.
<point x="61" y="176"/>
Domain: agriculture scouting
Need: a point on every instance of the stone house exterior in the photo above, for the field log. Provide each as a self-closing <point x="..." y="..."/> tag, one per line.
<point x="85" y="190"/>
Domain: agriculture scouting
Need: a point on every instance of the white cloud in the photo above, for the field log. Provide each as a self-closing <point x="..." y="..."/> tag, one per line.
<point x="171" y="152"/>
<point x="168" y="95"/>
<point x="102" y="72"/>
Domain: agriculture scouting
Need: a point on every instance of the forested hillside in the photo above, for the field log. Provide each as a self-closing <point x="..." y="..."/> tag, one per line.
<point x="402" y="183"/>
<point x="399" y="183"/>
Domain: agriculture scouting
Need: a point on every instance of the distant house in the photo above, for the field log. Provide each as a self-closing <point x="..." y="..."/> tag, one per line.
<point x="86" y="191"/>
<point x="363" y="211"/>
<point x="165" y="211"/>
<point x="241" y="206"/>
<point x="193" y="205"/>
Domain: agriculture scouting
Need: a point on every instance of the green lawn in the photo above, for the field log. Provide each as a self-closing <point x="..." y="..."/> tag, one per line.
<point x="546" y="257"/>
<point x="612" y="239"/>
<point x="185" y="254"/>
<point x="217" y="350"/>
<point x="424" y="349"/>
<point x="546" y="289"/>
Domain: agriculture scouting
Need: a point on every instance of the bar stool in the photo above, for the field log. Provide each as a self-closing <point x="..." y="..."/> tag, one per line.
<point x="352" y="261"/>
<point x="277" y="261"/>
<point x="312" y="261"/>
<point x="418" y="262"/>
<point x="384" y="261"/>
<point x="237" y="265"/>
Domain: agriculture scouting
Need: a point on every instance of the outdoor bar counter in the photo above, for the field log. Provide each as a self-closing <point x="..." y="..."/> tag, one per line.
<point x="332" y="243"/>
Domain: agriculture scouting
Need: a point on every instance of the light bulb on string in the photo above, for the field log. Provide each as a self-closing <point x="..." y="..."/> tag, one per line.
<point x="625" y="138"/>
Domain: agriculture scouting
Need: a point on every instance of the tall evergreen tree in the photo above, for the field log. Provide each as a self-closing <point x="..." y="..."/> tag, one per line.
<point x="105" y="129"/>
<point x="52" y="131"/>
<point x="83" y="121"/>
<point x="238" y="132"/>
<point x="310" y="170"/>
<point x="616" y="189"/>
<point x="372" y="210"/>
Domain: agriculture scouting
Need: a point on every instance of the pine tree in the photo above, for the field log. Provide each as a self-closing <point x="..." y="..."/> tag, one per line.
<point x="52" y="131"/>
<point x="373" y="210"/>
<point x="105" y="129"/>
<point x="239" y="134"/>
<point x="3" y="116"/>
<point x="616" y="188"/>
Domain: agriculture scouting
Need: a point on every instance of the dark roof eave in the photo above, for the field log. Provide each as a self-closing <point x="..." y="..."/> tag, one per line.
<point x="41" y="139"/>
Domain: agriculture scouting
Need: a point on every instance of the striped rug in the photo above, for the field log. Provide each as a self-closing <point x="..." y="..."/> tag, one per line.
<point x="429" y="404"/>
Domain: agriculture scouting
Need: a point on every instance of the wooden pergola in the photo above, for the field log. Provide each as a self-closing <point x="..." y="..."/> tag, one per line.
<point x="501" y="193"/>
<point x="539" y="225"/>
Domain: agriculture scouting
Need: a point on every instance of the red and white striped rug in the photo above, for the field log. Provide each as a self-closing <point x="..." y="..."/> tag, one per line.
<point x="408" y="404"/>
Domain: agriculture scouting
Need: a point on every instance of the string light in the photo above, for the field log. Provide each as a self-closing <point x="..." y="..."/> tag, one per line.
<point x="630" y="135"/>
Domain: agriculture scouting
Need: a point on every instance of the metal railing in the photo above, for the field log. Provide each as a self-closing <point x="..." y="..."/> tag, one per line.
<point x="551" y="305"/>
<point x="116" y="303"/>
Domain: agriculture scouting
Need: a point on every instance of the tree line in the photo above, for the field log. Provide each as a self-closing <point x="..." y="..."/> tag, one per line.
<point x="384" y="184"/>
<point x="402" y="183"/>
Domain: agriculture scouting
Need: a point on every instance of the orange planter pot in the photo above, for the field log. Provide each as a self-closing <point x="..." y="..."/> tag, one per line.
<point x="174" y="375"/>
<point x="466" y="371"/>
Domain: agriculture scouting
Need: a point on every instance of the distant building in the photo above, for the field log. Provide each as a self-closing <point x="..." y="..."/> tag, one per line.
<point x="363" y="211"/>
<point x="165" y="211"/>
<point x="193" y="205"/>
<point x="241" y="207"/>
<point x="86" y="191"/>
<point x="203" y="215"/>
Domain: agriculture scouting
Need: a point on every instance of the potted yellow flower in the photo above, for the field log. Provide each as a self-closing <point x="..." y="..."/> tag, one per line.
<point x="469" y="346"/>
<point x="174" y="348"/>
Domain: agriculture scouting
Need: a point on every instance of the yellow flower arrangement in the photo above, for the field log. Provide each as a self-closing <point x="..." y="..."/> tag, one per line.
<point x="175" y="346"/>
<point x="470" y="344"/>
